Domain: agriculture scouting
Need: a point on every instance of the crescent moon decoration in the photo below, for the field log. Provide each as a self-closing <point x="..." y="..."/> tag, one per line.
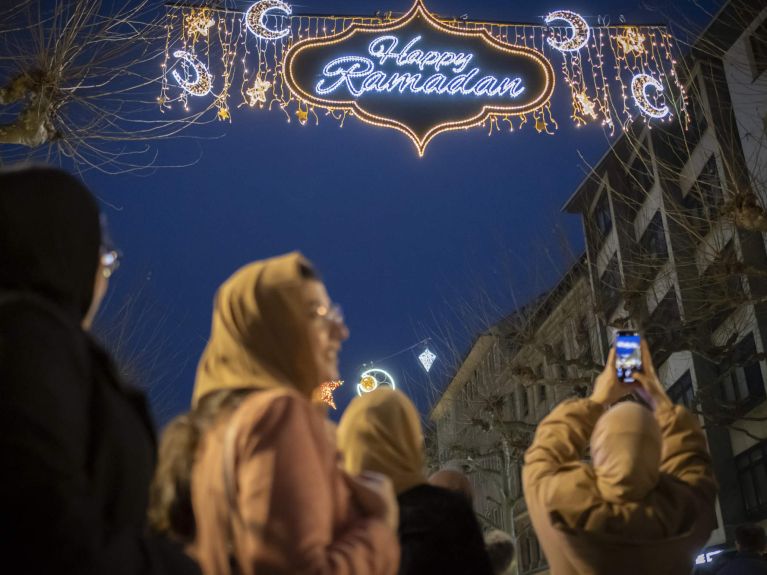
<point x="639" y="85"/>
<point x="247" y="52"/>
<point x="203" y="81"/>
<point x="254" y="19"/>
<point x="579" y="27"/>
<point x="371" y="379"/>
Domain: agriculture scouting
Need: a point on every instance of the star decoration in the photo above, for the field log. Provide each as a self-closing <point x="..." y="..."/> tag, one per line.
<point x="587" y="106"/>
<point x="199" y="22"/>
<point x="631" y="41"/>
<point x="326" y="392"/>
<point x="223" y="114"/>
<point x="257" y="93"/>
<point x="303" y="116"/>
<point x="427" y="359"/>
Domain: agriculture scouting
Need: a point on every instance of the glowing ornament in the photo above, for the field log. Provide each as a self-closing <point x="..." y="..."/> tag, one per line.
<point x="326" y="392"/>
<point x="254" y="19"/>
<point x="223" y="114"/>
<point x="303" y="116"/>
<point x="257" y="93"/>
<point x="631" y="41"/>
<point x="202" y="83"/>
<point x="580" y="31"/>
<point x="427" y="359"/>
<point x="199" y="22"/>
<point x="639" y="90"/>
<point x="371" y="379"/>
<point x="586" y="105"/>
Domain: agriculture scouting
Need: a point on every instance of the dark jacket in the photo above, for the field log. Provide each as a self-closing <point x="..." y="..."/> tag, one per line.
<point x="439" y="534"/>
<point x="77" y="451"/>
<point x="744" y="563"/>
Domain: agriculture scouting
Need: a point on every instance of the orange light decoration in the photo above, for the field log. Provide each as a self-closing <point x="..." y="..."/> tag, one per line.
<point x="603" y="66"/>
<point x="418" y="10"/>
<point x="326" y="392"/>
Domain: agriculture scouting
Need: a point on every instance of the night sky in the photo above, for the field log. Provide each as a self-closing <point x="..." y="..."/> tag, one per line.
<point x="401" y="241"/>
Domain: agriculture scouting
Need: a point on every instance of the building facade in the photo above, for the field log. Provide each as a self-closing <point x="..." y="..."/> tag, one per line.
<point x="674" y="226"/>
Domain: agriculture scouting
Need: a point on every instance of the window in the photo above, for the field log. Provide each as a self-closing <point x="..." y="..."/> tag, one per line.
<point x="640" y="179"/>
<point x="558" y="360"/>
<point x="751" y="467"/>
<point x="698" y="121"/>
<point x="664" y="323"/>
<point x="743" y="383"/>
<point x="758" y="43"/>
<point x="541" y="393"/>
<point x="511" y="406"/>
<point x="524" y="402"/>
<point x="584" y="337"/>
<point x="704" y="199"/>
<point x="601" y="217"/>
<point x="653" y="245"/>
<point x="681" y="392"/>
<point x="610" y="284"/>
<point x="722" y="290"/>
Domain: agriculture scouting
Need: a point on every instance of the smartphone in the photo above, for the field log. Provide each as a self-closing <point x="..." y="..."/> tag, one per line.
<point x="628" y="355"/>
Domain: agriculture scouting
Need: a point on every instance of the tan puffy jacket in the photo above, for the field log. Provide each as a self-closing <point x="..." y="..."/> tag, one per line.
<point x="582" y="533"/>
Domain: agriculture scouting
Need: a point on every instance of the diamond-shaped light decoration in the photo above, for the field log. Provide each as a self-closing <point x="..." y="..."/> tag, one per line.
<point x="427" y="359"/>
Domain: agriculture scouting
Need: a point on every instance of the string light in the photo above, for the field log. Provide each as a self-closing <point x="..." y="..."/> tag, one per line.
<point x="578" y="26"/>
<point x="601" y="66"/>
<point x="418" y="10"/>
<point x="254" y="19"/>
<point x="202" y="83"/>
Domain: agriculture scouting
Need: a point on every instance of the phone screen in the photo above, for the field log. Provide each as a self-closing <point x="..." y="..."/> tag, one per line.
<point x="628" y="355"/>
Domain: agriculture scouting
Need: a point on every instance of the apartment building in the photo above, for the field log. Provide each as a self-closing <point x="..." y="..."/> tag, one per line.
<point x="674" y="230"/>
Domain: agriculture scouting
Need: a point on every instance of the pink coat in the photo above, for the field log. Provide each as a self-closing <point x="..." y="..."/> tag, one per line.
<point x="267" y="491"/>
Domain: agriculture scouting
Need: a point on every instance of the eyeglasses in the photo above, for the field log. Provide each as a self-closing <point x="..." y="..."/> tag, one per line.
<point x="110" y="261"/>
<point x="332" y="314"/>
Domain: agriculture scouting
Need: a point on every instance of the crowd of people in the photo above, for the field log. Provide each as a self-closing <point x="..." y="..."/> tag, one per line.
<point x="255" y="479"/>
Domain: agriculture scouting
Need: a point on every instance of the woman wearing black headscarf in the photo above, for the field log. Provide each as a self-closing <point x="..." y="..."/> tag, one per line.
<point x="77" y="447"/>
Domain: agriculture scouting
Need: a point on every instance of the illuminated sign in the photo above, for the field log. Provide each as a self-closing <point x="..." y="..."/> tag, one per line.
<point x="419" y="75"/>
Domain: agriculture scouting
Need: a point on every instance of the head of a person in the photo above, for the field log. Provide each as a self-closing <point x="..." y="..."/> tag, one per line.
<point x="381" y="431"/>
<point x="170" y="510"/>
<point x="500" y="550"/>
<point x="453" y="480"/>
<point x="51" y="240"/>
<point x="625" y="452"/>
<point x="750" y="538"/>
<point x="274" y="325"/>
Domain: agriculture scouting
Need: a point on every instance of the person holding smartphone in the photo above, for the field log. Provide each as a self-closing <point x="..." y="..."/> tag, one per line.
<point x="645" y="501"/>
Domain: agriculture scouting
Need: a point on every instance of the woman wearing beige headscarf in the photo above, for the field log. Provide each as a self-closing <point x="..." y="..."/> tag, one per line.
<point x="645" y="503"/>
<point x="268" y="496"/>
<point x="439" y="534"/>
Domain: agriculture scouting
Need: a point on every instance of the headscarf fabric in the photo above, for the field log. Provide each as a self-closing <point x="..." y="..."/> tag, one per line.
<point x="381" y="431"/>
<point x="50" y="237"/>
<point x="260" y="331"/>
<point x="625" y="451"/>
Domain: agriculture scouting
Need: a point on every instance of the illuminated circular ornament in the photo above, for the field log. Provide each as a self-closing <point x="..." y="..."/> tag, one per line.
<point x="639" y="90"/>
<point x="254" y="19"/>
<point x="580" y="31"/>
<point x="203" y="81"/>
<point x="371" y="379"/>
